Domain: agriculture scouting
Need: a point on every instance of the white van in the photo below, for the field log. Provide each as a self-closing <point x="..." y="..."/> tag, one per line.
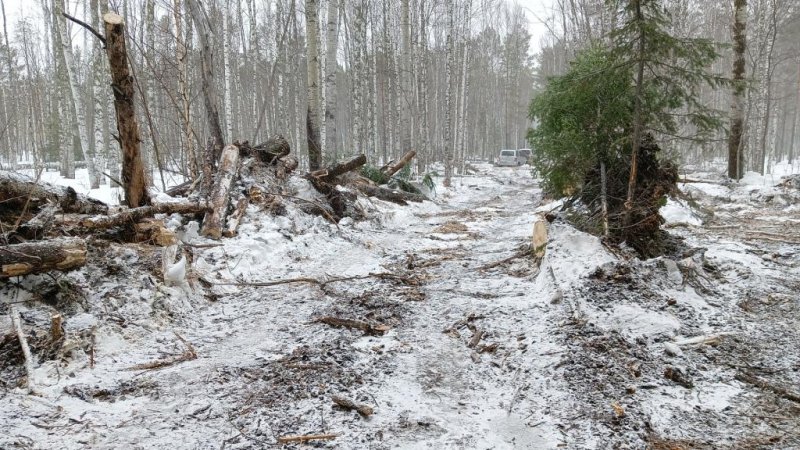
<point x="507" y="158"/>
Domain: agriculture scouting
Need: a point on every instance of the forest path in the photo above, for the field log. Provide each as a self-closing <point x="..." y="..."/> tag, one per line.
<point x="266" y="367"/>
<point x="491" y="394"/>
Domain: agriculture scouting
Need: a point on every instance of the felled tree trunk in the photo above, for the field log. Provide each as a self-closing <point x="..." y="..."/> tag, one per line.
<point x="36" y="257"/>
<point x="220" y="193"/>
<point x="395" y="166"/>
<point x="17" y="190"/>
<point x="328" y="174"/>
<point x="394" y="196"/>
<point x="133" y="179"/>
<point x="133" y="215"/>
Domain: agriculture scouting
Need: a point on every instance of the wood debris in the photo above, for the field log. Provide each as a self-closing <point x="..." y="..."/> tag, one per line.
<point x="350" y="405"/>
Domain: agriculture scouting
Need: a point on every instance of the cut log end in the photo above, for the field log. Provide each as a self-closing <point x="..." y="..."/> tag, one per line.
<point x="113" y="18"/>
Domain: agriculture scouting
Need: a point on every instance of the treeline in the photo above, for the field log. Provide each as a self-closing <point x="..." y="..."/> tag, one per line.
<point x="771" y="100"/>
<point x="448" y="78"/>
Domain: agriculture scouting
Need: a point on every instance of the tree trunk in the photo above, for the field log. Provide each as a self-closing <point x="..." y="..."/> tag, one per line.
<point x="331" y="66"/>
<point x="395" y="166"/>
<point x="133" y="179"/>
<point x="735" y="160"/>
<point x="62" y="254"/>
<point x="220" y="195"/>
<point x="226" y="65"/>
<point x="77" y="100"/>
<point x="207" y="77"/>
<point x="638" y="118"/>
<point x="312" y="70"/>
<point x="448" y="129"/>
<point x="16" y="190"/>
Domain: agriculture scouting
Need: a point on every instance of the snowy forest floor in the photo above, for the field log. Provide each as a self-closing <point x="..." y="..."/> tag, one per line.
<point x="584" y="349"/>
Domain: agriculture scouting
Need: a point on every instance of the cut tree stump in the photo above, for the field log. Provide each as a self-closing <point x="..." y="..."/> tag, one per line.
<point x="220" y="193"/>
<point x="16" y="190"/>
<point x="397" y="165"/>
<point x="61" y="254"/>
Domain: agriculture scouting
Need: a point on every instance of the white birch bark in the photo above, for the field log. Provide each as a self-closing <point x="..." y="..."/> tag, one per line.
<point x="77" y="101"/>
<point x="331" y="66"/>
<point x="312" y="72"/>
<point x="447" y="131"/>
<point x="226" y="56"/>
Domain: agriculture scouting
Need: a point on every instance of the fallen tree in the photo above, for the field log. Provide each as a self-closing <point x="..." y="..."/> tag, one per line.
<point x="220" y="195"/>
<point x="18" y="190"/>
<point x="61" y="254"/>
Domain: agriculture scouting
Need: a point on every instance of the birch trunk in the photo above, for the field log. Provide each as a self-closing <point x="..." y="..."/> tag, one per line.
<point x="312" y="71"/>
<point x="448" y="138"/>
<point x="226" y="64"/>
<point x="331" y="66"/>
<point x="207" y="78"/>
<point x="735" y="159"/>
<point x="77" y="101"/>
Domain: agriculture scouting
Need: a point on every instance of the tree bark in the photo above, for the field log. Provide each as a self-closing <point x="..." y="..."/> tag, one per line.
<point x="735" y="159"/>
<point x="328" y="174"/>
<point x="638" y="118"/>
<point x="391" y="195"/>
<point x="312" y="71"/>
<point x="62" y="254"/>
<point x="207" y="78"/>
<point x="133" y="178"/>
<point x="395" y="166"/>
<point x="134" y="215"/>
<point x="220" y="194"/>
<point x="16" y="190"/>
<point x="77" y="101"/>
<point x="331" y="66"/>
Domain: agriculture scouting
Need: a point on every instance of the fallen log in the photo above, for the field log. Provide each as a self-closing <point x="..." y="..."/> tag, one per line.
<point x="16" y="190"/>
<point x="397" y="165"/>
<point x="391" y="195"/>
<point x="236" y="217"/>
<point x="220" y="193"/>
<point x="40" y="224"/>
<point x="62" y="254"/>
<point x="133" y="215"/>
<point x="306" y="438"/>
<point x="329" y="173"/>
<point x="334" y="196"/>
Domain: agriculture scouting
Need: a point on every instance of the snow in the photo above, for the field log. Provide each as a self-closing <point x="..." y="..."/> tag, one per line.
<point x="675" y="212"/>
<point x="563" y="338"/>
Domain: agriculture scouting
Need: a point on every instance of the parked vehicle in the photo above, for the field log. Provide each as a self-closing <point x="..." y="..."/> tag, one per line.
<point x="524" y="155"/>
<point x="507" y="158"/>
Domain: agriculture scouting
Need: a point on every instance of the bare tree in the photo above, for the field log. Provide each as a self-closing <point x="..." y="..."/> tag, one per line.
<point x="735" y="161"/>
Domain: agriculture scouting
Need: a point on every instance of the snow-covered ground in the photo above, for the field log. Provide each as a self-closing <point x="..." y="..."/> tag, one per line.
<point x="582" y="349"/>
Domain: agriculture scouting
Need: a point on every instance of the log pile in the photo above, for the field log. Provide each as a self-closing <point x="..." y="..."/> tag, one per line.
<point x="49" y="224"/>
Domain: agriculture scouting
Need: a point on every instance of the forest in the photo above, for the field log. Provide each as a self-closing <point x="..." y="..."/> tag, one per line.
<point x="399" y="224"/>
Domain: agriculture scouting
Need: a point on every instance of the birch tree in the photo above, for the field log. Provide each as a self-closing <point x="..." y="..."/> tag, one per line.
<point x="735" y="160"/>
<point x="312" y="65"/>
<point x="77" y="101"/>
<point x="331" y="67"/>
